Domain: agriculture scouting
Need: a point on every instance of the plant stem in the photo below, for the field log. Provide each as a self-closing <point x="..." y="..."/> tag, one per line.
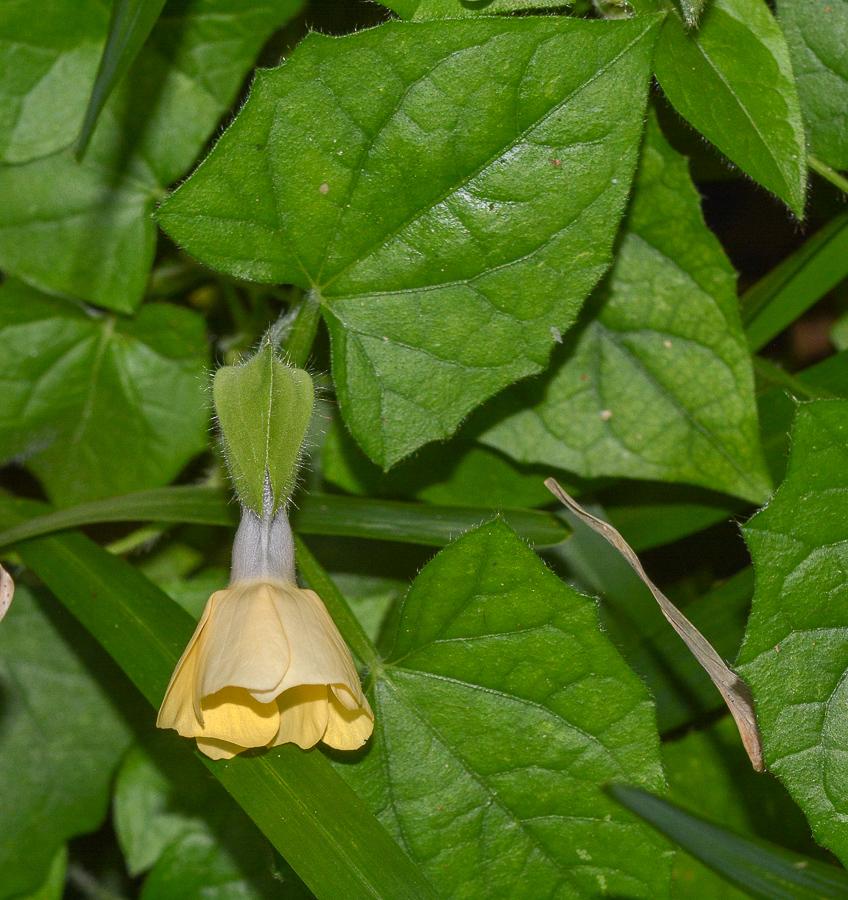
<point x="343" y="616"/>
<point x="828" y="173"/>
<point x="298" y="342"/>
<point x="88" y="885"/>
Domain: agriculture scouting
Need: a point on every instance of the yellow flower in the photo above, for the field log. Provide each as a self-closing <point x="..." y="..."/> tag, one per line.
<point x="266" y="666"/>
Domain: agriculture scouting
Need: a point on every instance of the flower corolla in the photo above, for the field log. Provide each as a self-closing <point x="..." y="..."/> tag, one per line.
<point x="266" y="664"/>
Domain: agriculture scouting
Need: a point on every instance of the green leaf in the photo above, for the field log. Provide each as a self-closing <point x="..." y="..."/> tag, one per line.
<point x="171" y="818"/>
<point x="77" y="385"/>
<point x="53" y="887"/>
<point x="422" y="10"/>
<point x="459" y="473"/>
<point x="732" y="79"/>
<point x="656" y="382"/>
<point x="709" y="775"/>
<point x="414" y="523"/>
<point x="307" y="812"/>
<point x="793" y="656"/>
<point x="194" y="868"/>
<point x="61" y="736"/>
<point x="500" y="712"/>
<point x="132" y="21"/>
<point x="767" y="872"/>
<point x="792" y="287"/>
<point x="84" y="229"/>
<point x="263" y="408"/>
<point x="53" y="60"/>
<point x="817" y="33"/>
<point x="442" y="288"/>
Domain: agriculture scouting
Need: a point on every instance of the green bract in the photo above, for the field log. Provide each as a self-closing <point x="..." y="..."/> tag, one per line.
<point x="263" y="408"/>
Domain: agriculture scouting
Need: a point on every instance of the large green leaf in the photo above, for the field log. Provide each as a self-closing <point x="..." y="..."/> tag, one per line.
<point x="732" y="79"/>
<point x="61" y="737"/>
<point x="96" y="404"/>
<point x="656" y="382"/>
<point x="500" y="712"/>
<point x="794" y="655"/>
<point x="450" y="190"/>
<point x="817" y="34"/>
<point x="84" y="229"/>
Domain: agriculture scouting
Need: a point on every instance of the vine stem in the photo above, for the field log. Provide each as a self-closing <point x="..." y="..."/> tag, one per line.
<point x="828" y="173"/>
<point x="320" y="582"/>
<point x="298" y="340"/>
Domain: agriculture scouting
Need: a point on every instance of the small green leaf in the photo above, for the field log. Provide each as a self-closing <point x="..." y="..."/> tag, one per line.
<point x="500" y="712"/>
<point x="132" y="21"/>
<point x="794" y="654"/>
<point x="765" y="871"/>
<point x="692" y="10"/>
<point x="656" y="383"/>
<point x="732" y="79"/>
<point x="792" y="287"/>
<point x="817" y="34"/>
<point x="84" y="229"/>
<point x="194" y="868"/>
<point x="61" y="738"/>
<point x="442" y="288"/>
<point x="263" y="408"/>
<point x="171" y="818"/>
<point x="75" y="385"/>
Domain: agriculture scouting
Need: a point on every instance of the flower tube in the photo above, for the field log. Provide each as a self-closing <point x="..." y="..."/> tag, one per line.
<point x="266" y="664"/>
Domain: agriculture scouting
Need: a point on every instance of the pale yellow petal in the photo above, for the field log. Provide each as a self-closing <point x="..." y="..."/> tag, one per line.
<point x="303" y="715"/>
<point x="347" y="729"/>
<point x="181" y="707"/>
<point x="232" y="715"/>
<point x="244" y="645"/>
<point x="218" y="749"/>
<point x="319" y="654"/>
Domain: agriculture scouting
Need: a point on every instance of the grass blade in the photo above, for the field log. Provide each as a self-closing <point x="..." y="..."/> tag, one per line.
<point x="132" y="22"/>
<point x="796" y="284"/>
<point x="328" y="514"/>
<point x="765" y="871"/>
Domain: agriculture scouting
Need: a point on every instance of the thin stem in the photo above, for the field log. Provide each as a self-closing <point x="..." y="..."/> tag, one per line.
<point x="829" y="174"/>
<point x="301" y="334"/>
<point x="343" y="616"/>
<point x="777" y="377"/>
<point x="88" y="885"/>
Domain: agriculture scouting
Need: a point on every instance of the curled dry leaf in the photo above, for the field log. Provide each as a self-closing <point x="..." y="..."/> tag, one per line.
<point x="7" y="591"/>
<point x="735" y="691"/>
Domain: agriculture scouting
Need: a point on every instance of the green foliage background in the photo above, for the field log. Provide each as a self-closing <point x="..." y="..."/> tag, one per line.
<point x="604" y="242"/>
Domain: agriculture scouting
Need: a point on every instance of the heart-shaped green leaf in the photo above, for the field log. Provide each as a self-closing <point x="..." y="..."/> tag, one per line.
<point x="450" y="191"/>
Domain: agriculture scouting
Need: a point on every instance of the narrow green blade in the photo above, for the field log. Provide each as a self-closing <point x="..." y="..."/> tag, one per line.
<point x="763" y="870"/>
<point x="132" y="22"/>
<point x="796" y="284"/>
<point x="304" y="808"/>
<point x="411" y="523"/>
